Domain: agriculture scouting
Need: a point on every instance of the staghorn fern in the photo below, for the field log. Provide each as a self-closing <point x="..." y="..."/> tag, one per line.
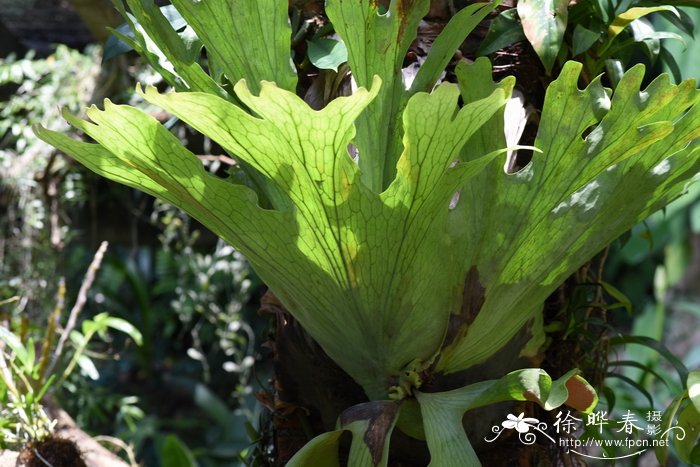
<point x="369" y="255"/>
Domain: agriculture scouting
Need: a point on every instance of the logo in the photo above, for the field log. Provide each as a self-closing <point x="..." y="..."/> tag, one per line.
<point x="629" y="434"/>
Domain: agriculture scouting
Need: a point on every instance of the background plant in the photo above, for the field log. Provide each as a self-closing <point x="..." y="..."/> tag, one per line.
<point x="27" y="377"/>
<point x="194" y="309"/>
<point x="36" y="187"/>
<point x="41" y="191"/>
<point x="604" y="35"/>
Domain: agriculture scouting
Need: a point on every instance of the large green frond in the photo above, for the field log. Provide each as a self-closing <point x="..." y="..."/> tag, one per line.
<point x="606" y="164"/>
<point x="246" y="39"/>
<point x="354" y="266"/>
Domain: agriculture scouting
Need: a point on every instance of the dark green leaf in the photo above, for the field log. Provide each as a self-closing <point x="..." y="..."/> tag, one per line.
<point x="327" y="54"/>
<point x="211" y="405"/>
<point x="684" y="22"/>
<point x="695" y="455"/>
<point x="635" y="364"/>
<point x="583" y="39"/>
<point x="605" y="8"/>
<point x="447" y="43"/>
<point x="610" y="398"/>
<point x="635" y="385"/>
<point x="115" y="45"/>
<point x="505" y="30"/>
<point x="692" y="3"/>
<point x="656" y="345"/>
<point x="174" y="453"/>
<point x="669" y="62"/>
<point x="410" y="420"/>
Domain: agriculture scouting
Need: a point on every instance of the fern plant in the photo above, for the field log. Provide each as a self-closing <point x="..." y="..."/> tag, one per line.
<point x="367" y="218"/>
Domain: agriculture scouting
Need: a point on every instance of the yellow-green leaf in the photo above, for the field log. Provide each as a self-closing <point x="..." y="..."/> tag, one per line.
<point x="526" y="232"/>
<point x="622" y="20"/>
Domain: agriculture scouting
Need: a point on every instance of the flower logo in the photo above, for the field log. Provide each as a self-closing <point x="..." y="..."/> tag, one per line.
<point x="520" y="423"/>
